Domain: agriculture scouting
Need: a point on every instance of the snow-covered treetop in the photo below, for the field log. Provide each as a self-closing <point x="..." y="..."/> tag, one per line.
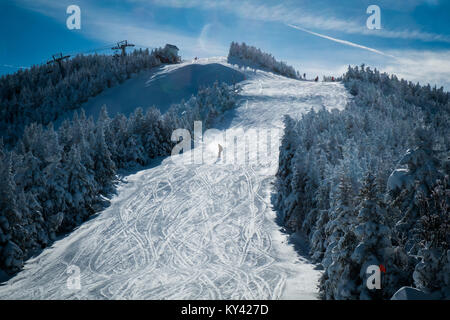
<point x="254" y="57"/>
<point x="41" y="93"/>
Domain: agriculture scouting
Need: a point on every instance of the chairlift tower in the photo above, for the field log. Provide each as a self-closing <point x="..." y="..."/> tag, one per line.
<point x="58" y="58"/>
<point x="122" y="45"/>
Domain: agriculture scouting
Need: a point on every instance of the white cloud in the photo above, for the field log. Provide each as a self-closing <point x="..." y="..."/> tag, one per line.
<point x="190" y="46"/>
<point x="285" y="13"/>
<point x="421" y="66"/>
<point x="413" y="65"/>
<point x="206" y="45"/>
<point x="109" y="26"/>
<point x="300" y="16"/>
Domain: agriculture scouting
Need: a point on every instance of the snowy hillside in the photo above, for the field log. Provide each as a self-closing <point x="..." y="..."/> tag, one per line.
<point x="42" y="93"/>
<point x="161" y="87"/>
<point x="179" y="230"/>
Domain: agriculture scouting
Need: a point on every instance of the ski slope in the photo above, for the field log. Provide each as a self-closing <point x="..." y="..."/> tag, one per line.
<point x="179" y="230"/>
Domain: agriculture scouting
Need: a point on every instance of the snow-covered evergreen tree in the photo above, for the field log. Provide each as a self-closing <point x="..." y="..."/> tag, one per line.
<point x="41" y="93"/>
<point x="284" y="199"/>
<point x="405" y="185"/>
<point x="249" y="55"/>
<point x="80" y="190"/>
<point x="104" y="167"/>
<point x="374" y="243"/>
<point x="432" y="272"/>
<point x="340" y="279"/>
<point x="414" y="119"/>
<point x="11" y="254"/>
<point x="341" y="218"/>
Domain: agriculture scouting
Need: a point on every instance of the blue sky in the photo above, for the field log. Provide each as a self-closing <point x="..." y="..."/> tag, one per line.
<point x="414" y="41"/>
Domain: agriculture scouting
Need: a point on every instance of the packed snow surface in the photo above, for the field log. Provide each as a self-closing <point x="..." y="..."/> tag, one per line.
<point x="180" y="230"/>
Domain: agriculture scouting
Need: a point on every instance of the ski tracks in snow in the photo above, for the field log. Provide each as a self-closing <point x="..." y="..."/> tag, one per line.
<point x="192" y="231"/>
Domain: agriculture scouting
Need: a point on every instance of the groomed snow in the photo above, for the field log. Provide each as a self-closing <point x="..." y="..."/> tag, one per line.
<point x="191" y="231"/>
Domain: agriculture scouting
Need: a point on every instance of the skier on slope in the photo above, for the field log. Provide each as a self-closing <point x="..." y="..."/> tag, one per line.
<point x="220" y="151"/>
<point x="316" y="79"/>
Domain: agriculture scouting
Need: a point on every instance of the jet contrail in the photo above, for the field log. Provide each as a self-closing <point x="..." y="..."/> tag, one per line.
<point x="348" y="43"/>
